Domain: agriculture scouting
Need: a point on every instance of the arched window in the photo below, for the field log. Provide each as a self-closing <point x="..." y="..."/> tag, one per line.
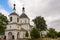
<point x="17" y="19"/>
<point x="25" y="21"/>
<point x="10" y="18"/>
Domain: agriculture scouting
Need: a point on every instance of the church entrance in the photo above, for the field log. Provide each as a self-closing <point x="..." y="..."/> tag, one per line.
<point x="10" y="36"/>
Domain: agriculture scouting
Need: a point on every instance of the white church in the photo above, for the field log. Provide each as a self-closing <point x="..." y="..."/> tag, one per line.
<point x="17" y="25"/>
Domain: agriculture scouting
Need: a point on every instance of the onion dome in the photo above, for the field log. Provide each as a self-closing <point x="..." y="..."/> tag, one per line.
<point x="14" y="11"/>
<point x="23" y="15"/>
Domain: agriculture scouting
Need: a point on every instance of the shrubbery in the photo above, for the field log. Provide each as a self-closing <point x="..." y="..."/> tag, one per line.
<point x="35" y="33"/>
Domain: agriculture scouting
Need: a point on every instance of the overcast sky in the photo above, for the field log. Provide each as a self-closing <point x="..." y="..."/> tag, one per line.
<point x="49" y="9"/>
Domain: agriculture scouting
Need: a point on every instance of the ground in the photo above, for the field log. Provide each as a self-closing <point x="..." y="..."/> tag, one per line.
<point x="46" y="39"/>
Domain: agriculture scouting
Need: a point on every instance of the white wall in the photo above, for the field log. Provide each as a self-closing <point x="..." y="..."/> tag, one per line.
<point x="13" y="33"/>
<point x="18" y="27"/>
<point x="26" y="27"/>
<point x="23" y="20"/>
<point x="13" y="26"/>
<point x="14" y="18"/>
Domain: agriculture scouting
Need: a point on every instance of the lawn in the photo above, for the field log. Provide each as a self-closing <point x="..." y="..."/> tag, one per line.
<point x="46" y="39"/>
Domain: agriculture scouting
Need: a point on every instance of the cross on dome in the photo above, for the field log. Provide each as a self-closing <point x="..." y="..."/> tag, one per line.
<point x="23" y="9"/>
<point x="14" y="7"/>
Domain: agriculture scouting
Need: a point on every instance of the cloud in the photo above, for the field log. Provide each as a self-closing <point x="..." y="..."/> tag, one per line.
<point x="18" y="5"/>
<point x="49" y="9"/>
<point x="3" y="11"/>
<point x="55" y="24"/>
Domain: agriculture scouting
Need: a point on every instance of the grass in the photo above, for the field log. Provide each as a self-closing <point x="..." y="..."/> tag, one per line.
<point x="46" y="39"/>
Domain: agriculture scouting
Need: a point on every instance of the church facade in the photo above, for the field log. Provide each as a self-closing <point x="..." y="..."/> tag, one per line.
<point x="17" y="25"/>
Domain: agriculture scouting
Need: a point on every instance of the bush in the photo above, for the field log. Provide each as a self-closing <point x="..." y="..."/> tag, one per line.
<point x="35" y="33"/>
<point x="58" y="34"/>
<point x="52" y="33"/>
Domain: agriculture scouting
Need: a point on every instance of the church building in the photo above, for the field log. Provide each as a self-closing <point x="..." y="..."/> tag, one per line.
<point x="17" y="25"/>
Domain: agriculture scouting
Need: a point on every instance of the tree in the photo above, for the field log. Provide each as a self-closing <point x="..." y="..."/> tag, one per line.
<point x="40" y="23"/>
<point x="3" y="23"/>
<point x="27" y="34"/>
<point x="58" y="34"/>
<point x="35" y="33"/>
<point x="52" y="33"/>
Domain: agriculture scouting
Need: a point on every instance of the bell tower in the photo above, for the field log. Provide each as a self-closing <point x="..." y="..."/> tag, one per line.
<point x="13" y="27"/>
<point x="14" y="17"/>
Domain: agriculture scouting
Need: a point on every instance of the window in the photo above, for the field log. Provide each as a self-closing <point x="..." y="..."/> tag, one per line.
<point x="17" y="19"/>
<point x="10" y="18"/>
<point x="25" y="21"/>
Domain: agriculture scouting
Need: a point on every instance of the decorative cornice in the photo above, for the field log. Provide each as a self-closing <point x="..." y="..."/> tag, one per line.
<point x="24" y="23"/>
<point x="19" y="24"/>
<point x="13" y="23"/>
<point x="12" y="30"/>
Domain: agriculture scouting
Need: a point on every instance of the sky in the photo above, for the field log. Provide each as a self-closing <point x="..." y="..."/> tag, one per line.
<point x="49" y="9"/>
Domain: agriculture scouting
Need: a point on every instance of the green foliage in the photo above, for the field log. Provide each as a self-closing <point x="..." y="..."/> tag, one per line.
<point x="27" y="34"/>
<point x="3" y="23"/>
<point x="58" y="34"/>
<point x="40" y="23"/>
<point x="52" y="33"/>
<point x="35" y="33"/>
